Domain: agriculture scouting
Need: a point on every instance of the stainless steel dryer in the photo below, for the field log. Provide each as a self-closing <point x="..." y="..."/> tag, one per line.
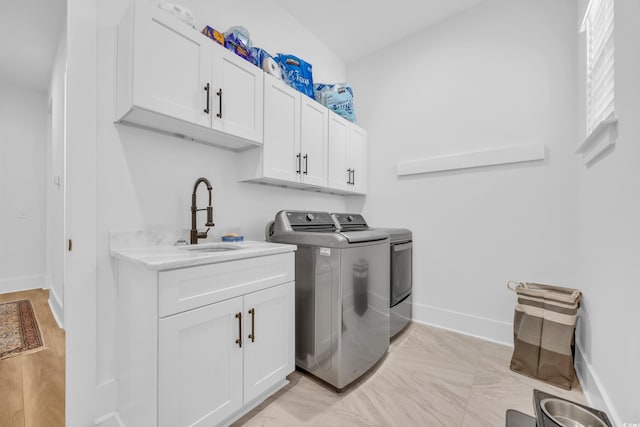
<point x="401" y="258"/>
<point x="342" y="295"/>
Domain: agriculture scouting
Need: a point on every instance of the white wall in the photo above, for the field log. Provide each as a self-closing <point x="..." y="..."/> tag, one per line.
<point x="55" y="192"/>
<point x="22" y="191"/>
<point x="609" y="202"/>
<point x="145" y="179"/>
<point x="500" y="74"/>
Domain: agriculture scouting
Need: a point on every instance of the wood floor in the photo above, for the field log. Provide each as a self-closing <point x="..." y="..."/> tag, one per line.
<point x="430" y="377"/>
<point x="32" y="385"/>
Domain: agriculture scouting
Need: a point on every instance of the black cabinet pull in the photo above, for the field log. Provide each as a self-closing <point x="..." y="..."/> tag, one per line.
<point x="353" y="177"/>
<point x="219" y="93"/>
<point x="298" y="161"/>
<point x="239" y="340"/>
<point x="252" y="335"/>
<point x="306" y="164"/>
<point x="348" y="176"/>
<point x="206" y="89"/>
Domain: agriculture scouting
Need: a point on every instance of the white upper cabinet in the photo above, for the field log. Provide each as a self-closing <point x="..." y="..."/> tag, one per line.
<point x="281" y="131"/>
<point x="294" y="151"/>
<point x="357" y="158"/>
<point x="170" y="67"/>
<point x="238" y="95"/>
<point x="339" y="177"/>
<point x="171" y="78"/>
<point x="314" y="142"/>
<point x="347" y="156"/>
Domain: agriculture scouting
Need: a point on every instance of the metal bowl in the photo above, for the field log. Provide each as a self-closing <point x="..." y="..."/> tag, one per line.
<point x="567" y="414"/>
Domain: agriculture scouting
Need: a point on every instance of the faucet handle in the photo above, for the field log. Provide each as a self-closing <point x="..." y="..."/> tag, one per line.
<point x="203" y="234"/>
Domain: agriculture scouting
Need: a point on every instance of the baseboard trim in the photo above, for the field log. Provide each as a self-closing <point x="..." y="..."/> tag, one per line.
<point x="466" y="324"/>
<point x="592" y="386"/>
<point x="107" y="396"/>
<point x="23" y="283"/>
<point x="110" y="420"/>
<point x="56" y="307"/>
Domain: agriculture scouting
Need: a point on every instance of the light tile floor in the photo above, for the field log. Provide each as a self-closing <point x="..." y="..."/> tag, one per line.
<point x="430" y="377"/>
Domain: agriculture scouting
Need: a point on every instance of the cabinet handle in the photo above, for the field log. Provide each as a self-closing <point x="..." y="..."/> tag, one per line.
<point x="207" y="88"/>
<point x="348" y="176"/>
<point x="252" y="335"/>
<point x="353" y="177"/>
<point x="306" y="164"/>
<point x="219" y="93"/>
<point x="239" y="340"/>
<point x="299" y="164"/>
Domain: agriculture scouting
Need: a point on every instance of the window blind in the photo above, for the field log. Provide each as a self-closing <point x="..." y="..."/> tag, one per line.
<point x="598" y="23"/>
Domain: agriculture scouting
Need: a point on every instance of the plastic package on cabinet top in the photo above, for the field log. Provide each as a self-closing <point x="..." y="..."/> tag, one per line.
<point x="298" y="73"/>
<point x="337" y="97"/>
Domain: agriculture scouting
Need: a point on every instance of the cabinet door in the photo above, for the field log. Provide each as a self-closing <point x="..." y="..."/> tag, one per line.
<point x="200" y="365"/>
<point x="269" y="355"/>
<point x="357" y="158"/>
<point x="338" y="175"/>
<point x="281" y="144"/>
<point x="172" y="65"/>
<point x="314" y="141"/>
<point x="237" y="95"/>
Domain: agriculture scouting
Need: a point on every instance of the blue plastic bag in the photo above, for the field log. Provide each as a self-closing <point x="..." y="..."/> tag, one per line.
<point x="298" y="73"/>
<point x="336" y="97"/>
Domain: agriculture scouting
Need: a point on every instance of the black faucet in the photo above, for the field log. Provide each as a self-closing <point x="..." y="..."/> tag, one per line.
<point x="195" y="235"/>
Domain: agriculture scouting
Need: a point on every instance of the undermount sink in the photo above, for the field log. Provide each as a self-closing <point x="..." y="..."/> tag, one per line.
<point x="567" y="414"/>
<point x="212" y="247"/>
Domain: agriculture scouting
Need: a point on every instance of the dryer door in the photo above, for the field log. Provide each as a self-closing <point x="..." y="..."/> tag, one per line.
<point x="401" y="271"/>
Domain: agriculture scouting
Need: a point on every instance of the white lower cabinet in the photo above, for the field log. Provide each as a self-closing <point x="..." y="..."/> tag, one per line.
<point x="269" y="339"/>
<point x="214" y="359"/>
<point x="202" y="345"/>
<point x="200" y="366"/>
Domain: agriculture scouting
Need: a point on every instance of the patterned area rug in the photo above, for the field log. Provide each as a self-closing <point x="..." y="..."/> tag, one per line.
<point x="19" y="332"/>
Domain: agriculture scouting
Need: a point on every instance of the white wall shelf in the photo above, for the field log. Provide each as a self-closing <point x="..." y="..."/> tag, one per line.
<point x="473" y="159"/>
<point x="599" y="142"/>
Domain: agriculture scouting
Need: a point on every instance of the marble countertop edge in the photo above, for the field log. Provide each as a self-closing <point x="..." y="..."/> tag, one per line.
<point x="154" y="251"/>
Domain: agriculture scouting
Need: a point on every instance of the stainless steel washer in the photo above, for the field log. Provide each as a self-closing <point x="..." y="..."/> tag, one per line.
<point x="342" y="296"/>
<point x="401" y="260"/>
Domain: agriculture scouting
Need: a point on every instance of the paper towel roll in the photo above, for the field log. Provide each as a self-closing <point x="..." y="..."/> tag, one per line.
<point x="272" y="67"/>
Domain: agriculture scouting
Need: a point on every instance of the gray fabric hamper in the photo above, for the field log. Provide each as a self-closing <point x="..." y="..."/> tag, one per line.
<point x="544" y="332"/>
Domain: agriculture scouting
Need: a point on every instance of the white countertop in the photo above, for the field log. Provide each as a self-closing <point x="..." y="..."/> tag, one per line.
<point x="167" y="257"/>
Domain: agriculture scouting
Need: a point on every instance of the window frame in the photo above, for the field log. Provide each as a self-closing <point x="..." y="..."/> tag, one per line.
<point x="601" y="123"/>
